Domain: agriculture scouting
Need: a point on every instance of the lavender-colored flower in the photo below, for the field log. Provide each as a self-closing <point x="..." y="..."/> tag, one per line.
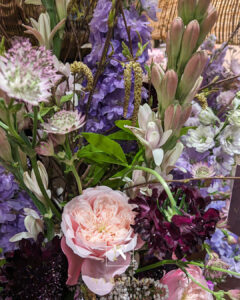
<point x="193" y="120"/>
<point x="151" y="7"/>
<point x="107" y="102"/>
<point x="223" y="162"/>
<point x="64" y="122"/>
<point x="27" y="73"/>
<point x="12" y="204"/>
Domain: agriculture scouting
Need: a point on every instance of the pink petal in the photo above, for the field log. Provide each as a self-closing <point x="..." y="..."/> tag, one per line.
<point x="74" y="263"/>
<point x="99" y="275"/>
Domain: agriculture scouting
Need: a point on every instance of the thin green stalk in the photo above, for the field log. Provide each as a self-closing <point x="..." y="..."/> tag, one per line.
<point x="199" y="284"/>
<point x="35" y="121"/>
<point x="162" y="181"/>
<point x="43" y="190"/>
<point x="156" y="265"/>
<point x="78" y="180"/>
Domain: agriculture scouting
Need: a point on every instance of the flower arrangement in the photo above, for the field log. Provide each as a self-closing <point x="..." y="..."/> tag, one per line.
<point x="116" y="168"/>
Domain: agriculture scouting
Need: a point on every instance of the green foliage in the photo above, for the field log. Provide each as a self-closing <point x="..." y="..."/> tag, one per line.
<point x="66" y="98"/>
<point x="107" y="146"/>
<point x="2" y="46"/>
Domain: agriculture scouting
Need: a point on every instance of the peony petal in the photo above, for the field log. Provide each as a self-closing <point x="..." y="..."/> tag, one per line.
<point x="74" y="263"/>
<point x="99" y="275"/>
<point x="158" y="156"/>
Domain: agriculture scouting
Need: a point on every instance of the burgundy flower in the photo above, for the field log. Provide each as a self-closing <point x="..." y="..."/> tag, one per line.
<point x="184" y="233"/>
<point x="35" y="271"/>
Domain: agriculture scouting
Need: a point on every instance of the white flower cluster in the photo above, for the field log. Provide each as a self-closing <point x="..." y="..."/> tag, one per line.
<point x="127" y="287"/>
<point x="201" y="138"/>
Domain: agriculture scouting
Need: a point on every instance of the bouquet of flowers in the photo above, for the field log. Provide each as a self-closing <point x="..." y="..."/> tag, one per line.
<point x="116" y="167"/>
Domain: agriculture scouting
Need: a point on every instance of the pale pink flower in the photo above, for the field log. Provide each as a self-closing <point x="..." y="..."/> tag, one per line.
<point x="45" y="148"/>
<point x="156" y="56"/>
<point x="234" y="294"/>
<point x="150" y="133"/>
<point x="181" y="287"/>
<point x="98" y="237"/>
<point x="202" y="170"/>
<point x="64" y="122"/>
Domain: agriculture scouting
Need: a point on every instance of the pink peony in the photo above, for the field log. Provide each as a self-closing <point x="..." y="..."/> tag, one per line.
<point x="98" y="237"/>
<point x="181" y="287"/>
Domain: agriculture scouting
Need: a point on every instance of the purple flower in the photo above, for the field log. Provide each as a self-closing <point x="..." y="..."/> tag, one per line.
<point x="107" y="102"/>
<point x="12" y="203"/>
<point x="223" y="162"/>
<point x="151" y="7"/>
<point x="181" y="235"/>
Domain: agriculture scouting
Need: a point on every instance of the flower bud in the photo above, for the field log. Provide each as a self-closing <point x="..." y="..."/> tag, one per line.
<point x="190" y="38"/>
<point x="207" y="117"/>
<point x="234" y="294"/>
<point x="231" y="240"/>
<point x="193" y="92"/>
<point x="192" y="72"/>
<point x="45" y="148"/>
<point x="186" y="10"/>
<point x="61" y="6"/>
<point x="201" y="10"/>
<point x="207" y="24"/>
<point x="168" y="89"/>
<point x="5" y="149"/>
<point x="174" y="41"/>
<point x="157" y="76"/>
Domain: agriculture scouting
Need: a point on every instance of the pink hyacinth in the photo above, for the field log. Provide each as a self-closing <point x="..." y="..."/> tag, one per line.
<point x="27" y="73"/>
<point x="98" y="237"/>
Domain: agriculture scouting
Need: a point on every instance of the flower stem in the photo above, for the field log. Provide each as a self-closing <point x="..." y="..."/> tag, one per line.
<point x="199" y="284"/>
<point x="162" y="181"/>
<point x="35" y="121"/>
<point x="78" y="180"/>
<point x="42" y="188"/>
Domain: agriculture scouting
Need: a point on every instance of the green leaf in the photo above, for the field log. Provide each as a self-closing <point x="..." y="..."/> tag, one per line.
<point x="2" y="46"/>
<point x="184" y="130"/>
<point x="45" y="110"/>
<point x="99" y="157"/>
<point x="15" y="108"/>
<point x="50" y="228"/>
<point x="66" y="98"/>
<point x="121" y="135"/>
<point x="106" y="145"/>
<point x="121" y="123"/>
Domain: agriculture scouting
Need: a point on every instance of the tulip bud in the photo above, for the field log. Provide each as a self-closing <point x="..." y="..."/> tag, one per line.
<point x="207" y="24"/>
<point x="157" y="76"/>
<point x="189" y="42"/>
<point x="5" y="149"/>
<point x="201" y="9"/>
<point x="168" y="89"/>
<point x="192" y="72"/>
<point x="186" y="10"/>
<point x="174" y="41"/>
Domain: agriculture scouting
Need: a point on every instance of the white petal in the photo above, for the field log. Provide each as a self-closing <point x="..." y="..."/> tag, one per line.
<point x="158" y="156"/>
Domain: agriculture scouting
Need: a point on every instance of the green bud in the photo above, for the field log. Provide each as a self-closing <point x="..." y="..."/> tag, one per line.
<point x="201" y="9"/>
<point x="186" y="10"/>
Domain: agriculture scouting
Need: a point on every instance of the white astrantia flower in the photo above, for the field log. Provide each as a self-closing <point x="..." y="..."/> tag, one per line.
<point x="207" y="117"/>
<point x="230" y="140"/>
<point x="202" y="169"/>
<point x="234" y="117"/>
<point x="202" y="138"/>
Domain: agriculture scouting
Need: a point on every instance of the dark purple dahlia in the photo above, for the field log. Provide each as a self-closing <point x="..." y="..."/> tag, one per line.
<point x="183" y="233"/>
<point x="34" y="271"/>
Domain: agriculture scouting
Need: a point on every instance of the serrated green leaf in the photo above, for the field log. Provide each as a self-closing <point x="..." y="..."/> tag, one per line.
<point x="106" y="145"/>
<point x="66" y="98"/>
<point x="121" y="123"/>
<point x="45" y="110"/>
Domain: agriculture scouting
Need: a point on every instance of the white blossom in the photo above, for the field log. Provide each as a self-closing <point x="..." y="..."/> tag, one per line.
<point x="201" y="138"/>
<point x="207" y="117"/>
<point x="230" y="140"/>
<point x="234" y="117"/>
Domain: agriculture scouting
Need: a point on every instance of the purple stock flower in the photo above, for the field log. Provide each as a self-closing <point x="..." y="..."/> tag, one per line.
<point x="151" y="8"/>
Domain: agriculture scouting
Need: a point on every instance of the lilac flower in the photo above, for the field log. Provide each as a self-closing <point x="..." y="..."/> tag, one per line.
<point x="223" y="161"/>
<point x="12" y="203"/>
<point x="27" y="73"/>
<point x="107" y="102"/>
<point x="151" y="7"/>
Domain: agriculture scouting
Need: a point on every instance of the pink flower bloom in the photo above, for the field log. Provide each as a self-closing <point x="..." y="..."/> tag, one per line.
<point x="64" y="122"/>
<point x="27" y="73"/>
<point x="156" y="55"/>
<point x="98" y="237"/>
<point x="45" y="148"/>
<point x="234" y="294"/>
<point x="181" y="287"/>
<point x="202" y="169"/>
